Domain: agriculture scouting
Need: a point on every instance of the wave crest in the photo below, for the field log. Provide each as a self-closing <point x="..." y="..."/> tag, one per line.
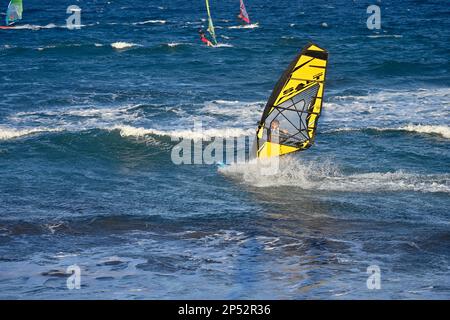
<point x="208" y="134"/>
<point x="122" y="45"/>
<point x="12" y="133"/>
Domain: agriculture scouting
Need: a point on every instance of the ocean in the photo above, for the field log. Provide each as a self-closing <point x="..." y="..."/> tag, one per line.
<point x="89" y="118"/>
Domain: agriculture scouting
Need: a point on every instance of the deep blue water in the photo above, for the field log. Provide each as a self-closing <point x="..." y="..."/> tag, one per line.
<point x="87" y="128"/>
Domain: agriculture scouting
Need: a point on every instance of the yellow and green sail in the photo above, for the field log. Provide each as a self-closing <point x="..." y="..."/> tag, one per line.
<point x="210" y="24"/>
<point x="14" y="12"/>
<point x="289" y="120"/>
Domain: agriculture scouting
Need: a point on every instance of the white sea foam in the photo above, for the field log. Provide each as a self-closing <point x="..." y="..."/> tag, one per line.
<point x="52" y="116"/>
<point x="247" y="112"/>
<point x="151" y="22"/>
<point x="206" y="134"/>
<point x="375" y="36"/>
<point x="441" y="130"/>
<point x="12" y="133"/>
<point x="327" y="177"/>
<point x="218" y="118"/>
<point x="378" y="111"/>
<point x="388" y="108"/>
<point x="35" y="27"/>
<point x="246" y="26"/>
<point x="122" y="45"/>
<point x="46" y="47"/>
<point x="223" y="45"/>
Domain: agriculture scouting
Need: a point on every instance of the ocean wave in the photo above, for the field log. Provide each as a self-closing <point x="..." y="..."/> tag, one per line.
<point x="57" y="46"/>
<point x="47" y="26"/>
<point x="206" y="134"/>
<point x="441" y="130"/>
<point x="375" y="36"/>
<point x="218" y="117"/>
<point x="223" y="45"/>
<point x="62" y="46"/>
<point x="131" y="131"/>
<point x="247" y="26"/>
<point x="36" y="27"/>
<point x="150" y="22"/>
<point x="78" y="116"/>
<point x="247" y="112"/>
<point x="327" y="177"/>
<point x="175" y="44"/>
<point x="122" y="45"/>
<point x="12" y="133"/>
<point x="388" y="108"/>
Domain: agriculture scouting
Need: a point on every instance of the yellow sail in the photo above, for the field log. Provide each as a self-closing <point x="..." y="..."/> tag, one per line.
<point x="289" y="120"/>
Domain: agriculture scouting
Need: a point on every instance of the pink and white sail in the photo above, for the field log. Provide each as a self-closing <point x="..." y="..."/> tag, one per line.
<point x="243" y="14"/>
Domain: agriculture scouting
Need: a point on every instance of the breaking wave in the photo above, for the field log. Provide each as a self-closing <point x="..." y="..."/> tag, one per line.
<point x="247" y="26"/>
<point x="122" y="45"/>
<point x="440" y="130"/>
<point x="207" y="134"/>
<point x="151" y="22"/>
<point x="12" y="133"/>
<point x="443" y="131"/>
<point x="327" y="177"/>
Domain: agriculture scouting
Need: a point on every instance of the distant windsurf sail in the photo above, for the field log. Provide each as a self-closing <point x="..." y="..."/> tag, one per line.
<point x="243" y="13"/>
<point x="14" y="12"/>
<point x="210" y="24"/>
<point x="289" y="120"/>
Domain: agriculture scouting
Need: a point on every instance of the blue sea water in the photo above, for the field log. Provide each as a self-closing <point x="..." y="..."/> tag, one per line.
<point x="88" y="119"/>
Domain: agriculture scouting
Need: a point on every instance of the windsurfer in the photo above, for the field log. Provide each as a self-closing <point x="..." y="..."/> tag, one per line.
<point x="243" y="15"/>
<point x="242" y="19"/>
<point x="273" y="133"/>
<point x="204" y="39"/>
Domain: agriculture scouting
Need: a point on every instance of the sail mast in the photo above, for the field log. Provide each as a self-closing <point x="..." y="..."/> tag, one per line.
<point x="210" y="24"/>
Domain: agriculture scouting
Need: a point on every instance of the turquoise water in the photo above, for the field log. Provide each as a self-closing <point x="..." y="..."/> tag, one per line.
<point x="88" y="120"/>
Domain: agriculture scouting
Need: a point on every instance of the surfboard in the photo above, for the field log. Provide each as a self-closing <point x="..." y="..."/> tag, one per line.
<point x="221" y="165"/>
